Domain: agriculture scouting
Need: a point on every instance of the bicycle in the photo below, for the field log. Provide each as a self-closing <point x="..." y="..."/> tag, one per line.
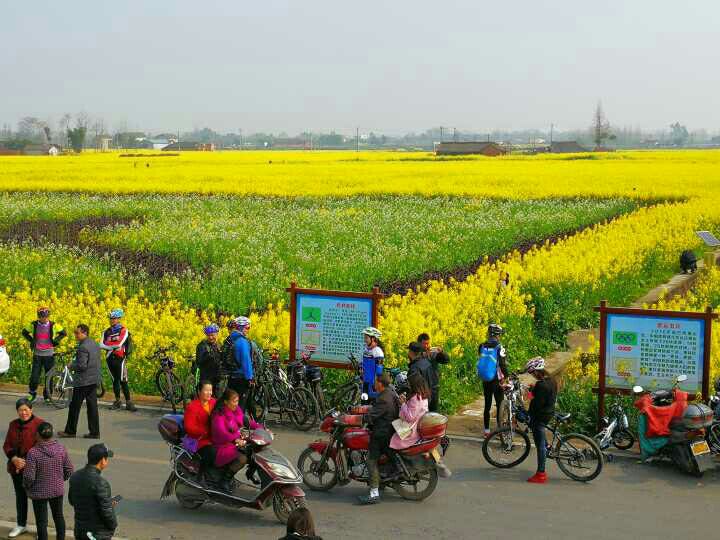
<point x="578" y="456"/>
<point x="166" y="381"/>
<point x="302" y="374"/>
<point x="349" y="393"/>
<point x="617" y="429"/>
<point x="59" y="383"/>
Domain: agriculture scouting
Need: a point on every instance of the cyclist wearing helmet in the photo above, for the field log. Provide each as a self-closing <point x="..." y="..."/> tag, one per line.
<point x="492" y="366"/>
<point x="542" y="408"/>
<point x="373" y="359"/>
<point x="43" y="335"/>
<point x="208" y="357"/>
<point x="242" y="376"/>
<point x="116" y="340"/>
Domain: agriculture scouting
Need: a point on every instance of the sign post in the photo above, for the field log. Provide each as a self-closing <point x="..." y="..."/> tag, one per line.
<point x="650" y="348"/>
<point x="330" y="323"/>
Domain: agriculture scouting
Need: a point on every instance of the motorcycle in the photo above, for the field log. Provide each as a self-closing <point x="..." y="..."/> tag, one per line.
<point x="342" y="458"/>
<point x="279" y="480"/>
<point x="616" y="430"/>
<point x="678" y="429"/>
<point x="4" y="358"/>
<point x="713" y="432"/>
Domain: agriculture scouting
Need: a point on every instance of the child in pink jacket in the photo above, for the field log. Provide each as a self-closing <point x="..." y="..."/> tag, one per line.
<point x="412" y="410"/>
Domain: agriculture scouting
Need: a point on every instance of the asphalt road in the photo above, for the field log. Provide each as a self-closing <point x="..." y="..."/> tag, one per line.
<point x="627" y="501"/>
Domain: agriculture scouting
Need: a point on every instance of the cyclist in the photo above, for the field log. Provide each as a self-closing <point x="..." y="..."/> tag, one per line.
<point x="542" y="408"/>
<point x="208" y="357"/>
<point x="116" y="340"/>
<point x="491" y="368"/>
<point x="43" y="335"/>
<point x="373" y="359"/>
<point x="242" y="376"/>
<point x="436" y="356"/>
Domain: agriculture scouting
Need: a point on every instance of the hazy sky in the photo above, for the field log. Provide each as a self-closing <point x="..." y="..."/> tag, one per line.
<point x="387" y="66"/>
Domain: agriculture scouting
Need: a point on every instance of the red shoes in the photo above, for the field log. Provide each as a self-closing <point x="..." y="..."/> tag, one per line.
<point x="538" y="478"/>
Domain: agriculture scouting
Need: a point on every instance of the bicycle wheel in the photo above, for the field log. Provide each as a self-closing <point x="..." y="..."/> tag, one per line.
<point x="59" y="396"/>
<point x="100" y="390"/>
<point x="304" y="408"/>
<point x="504" y="414"/>
<point x="345" y="397"/>
<point x="505" y="448"/>
<point x="578" y="456"/>
<point x="260" y="405"/>
<point x="623" y="440"/>
<point x="169" y="386"/>
<point x="190" y="389"/>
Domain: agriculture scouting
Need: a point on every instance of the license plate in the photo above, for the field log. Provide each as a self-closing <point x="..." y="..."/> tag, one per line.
<point x="700" y="448"/>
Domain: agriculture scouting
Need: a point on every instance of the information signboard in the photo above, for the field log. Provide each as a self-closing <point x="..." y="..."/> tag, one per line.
<point x="650" y="348"/>
<point x="330" y="323"/>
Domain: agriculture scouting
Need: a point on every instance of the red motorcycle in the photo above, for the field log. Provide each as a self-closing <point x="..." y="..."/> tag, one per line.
<point x="411" y="472"/>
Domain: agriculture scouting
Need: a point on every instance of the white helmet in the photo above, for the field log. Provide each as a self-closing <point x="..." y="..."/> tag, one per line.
<point x="372" y="332"/>
<point x="242" y="322"/>
<point x="535" y="364"/>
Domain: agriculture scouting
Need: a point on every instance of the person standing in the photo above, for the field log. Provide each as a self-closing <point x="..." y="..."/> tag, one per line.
<point x="91" y="497"/>
<point x="420" y="364"/>
<point x="372" y="360"/>
<point x="19" y="439"/>
<point x="436" y="356"/>
<point x="43" y="335"/>
<point x="208" y="357"/>
<point x="383" y="412"/>
<point x="541" y="411"/>
<point x="242" y="377"/>
<point x="47" y="468"/>
<point x="86" y="377"/>
<point x="117" y="341"/>
<point x="492" y="368"/>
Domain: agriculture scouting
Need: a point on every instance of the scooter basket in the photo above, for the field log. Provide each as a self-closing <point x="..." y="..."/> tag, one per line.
<point x="171" y="428"/>
<point x="432" y="425"/>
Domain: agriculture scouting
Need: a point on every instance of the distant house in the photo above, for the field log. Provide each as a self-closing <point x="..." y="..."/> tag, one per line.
<point x="467" y="148"/>
<point x="291" y="143"/>
<point x="566" y="147"/>
<point x="189" y="146"/>
<point x="42" y="150"/>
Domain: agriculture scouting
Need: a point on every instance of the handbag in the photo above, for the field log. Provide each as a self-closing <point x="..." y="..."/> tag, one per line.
<point x="402" y="428"/>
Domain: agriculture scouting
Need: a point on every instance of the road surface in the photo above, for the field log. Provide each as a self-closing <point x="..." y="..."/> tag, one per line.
<point x="627" y="501"/>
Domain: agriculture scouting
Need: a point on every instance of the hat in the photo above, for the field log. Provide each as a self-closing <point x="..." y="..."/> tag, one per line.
<point x="415" y="347"/>
<point x="98" y="452"/>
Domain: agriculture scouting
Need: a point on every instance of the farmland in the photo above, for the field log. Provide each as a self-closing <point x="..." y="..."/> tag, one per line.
<point x="230" y="230"/>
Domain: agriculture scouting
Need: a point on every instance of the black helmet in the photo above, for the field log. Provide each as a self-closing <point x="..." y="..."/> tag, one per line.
<point x="495" y="330"/>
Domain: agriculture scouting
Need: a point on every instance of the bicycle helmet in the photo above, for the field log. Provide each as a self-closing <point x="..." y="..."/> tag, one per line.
<point x="495" y="330"/>
<point x="116" y="313"/>
<point x="43" y="311"/>
<point x="535" y="364"/>
<point x="372" y="332"/>
<point x="401" y="380"/>
<point x="231" y="324"/>
<point x="211" y="329"/>
<point x="242" y="322"/>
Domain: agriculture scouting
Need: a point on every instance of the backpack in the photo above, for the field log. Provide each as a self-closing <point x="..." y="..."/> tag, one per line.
<point x="487" y="364"/>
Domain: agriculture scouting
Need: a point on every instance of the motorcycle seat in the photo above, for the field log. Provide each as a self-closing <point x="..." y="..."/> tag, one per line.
<point x="562" y="417"/>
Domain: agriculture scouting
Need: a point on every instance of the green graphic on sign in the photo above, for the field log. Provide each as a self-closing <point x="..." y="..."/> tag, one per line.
<point x="311" y="314"/>
<point x="625" y="338"/>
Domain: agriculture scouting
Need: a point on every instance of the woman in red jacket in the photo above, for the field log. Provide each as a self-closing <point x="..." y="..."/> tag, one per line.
<point x="197" y="423"/>
<point x="20" y="438"/>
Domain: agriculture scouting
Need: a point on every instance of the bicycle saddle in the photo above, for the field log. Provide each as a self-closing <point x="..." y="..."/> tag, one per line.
<point x="562" y="417"/>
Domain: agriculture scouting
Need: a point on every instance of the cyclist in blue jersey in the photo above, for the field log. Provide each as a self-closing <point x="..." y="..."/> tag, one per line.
<point x="372" y="361"/>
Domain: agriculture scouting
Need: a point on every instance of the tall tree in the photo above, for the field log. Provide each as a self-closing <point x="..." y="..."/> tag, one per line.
<point x="679" y="134"/>
<point x="601" y="126"/>
<point x="77" y="134"/>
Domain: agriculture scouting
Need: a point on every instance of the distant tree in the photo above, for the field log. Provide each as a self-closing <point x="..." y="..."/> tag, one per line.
<point x="31" y="128"/>
<point x="679" y="134"/>
<point x="77" y="134"/>
<point x="601" y="126"/>
<point x="46" y="132"/>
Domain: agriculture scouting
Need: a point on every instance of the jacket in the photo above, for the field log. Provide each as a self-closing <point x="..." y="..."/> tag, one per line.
<point x="208" y="359"/>
<point x="197" y="422"/>
<point x="242" y="350"/>
<point x="19" y="439"/>
<point x="228" y="364"/>
<point x="55" y="334"/>
<point x="493" y="343"/>
<point x="117" y="341"/>
<point x="90" y="496"/>
<point x="542" y="405"/>
<point x="422" y="365"/>
<point x="411" y="411"/>
<point x="382" y="414"/>
<point x="436" y="358"/>
<point x="226" y="426"/>
<point x="47" y="468"/>
<point x="86" y="365"/>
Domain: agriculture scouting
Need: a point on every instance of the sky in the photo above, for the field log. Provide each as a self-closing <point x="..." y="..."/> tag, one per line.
<point x="387" y="66"/>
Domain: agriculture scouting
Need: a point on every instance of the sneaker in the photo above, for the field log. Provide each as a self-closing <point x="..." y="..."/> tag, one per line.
<point x="64" y="435"/>
<point x="443" y="470"/>
<point x="17" y="531"/>
<point x="117" y="404"/>
<point x="130" y="406"/>
<point x="91" y="436"/>
<point x="538" y="478"/>
<point x="368" y="499"/>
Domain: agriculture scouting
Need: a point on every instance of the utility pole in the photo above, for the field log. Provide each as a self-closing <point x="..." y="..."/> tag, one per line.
<point x="441" y="134"/>
<point x="455" y="137"/>
<point x="241" y="139"/>
<point x="552" y="127"/>
<point x="357" y="139"/>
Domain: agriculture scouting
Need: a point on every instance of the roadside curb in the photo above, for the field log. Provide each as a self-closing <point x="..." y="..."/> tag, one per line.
<point x="101" y="403"/>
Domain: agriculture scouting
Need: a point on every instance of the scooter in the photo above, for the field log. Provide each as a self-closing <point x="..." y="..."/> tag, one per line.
<point x="678" y="429"/>
<point x="4" y="358"/>
<point x="411" y="472"/>
<point x="279" y="480"/>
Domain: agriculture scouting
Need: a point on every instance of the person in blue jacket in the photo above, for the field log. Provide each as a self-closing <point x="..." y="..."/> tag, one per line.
<point x="242" y="377"/>
<point x="373" y="360"/>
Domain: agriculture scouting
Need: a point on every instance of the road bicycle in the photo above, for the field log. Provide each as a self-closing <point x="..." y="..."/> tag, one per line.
<point x="166" y="380"/>
<point x="303" y="374"/>
<point x="348" y="394"/>
<point x="577" y="455"/>
<point x="59" y="383"/>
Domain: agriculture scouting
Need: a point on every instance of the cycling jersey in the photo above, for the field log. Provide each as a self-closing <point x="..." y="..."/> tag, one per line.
<point x="372" y="365"/>
<point x="116" y="341"/>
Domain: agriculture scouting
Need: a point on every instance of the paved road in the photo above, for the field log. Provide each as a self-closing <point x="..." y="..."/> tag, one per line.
<point x="627" y="501"/>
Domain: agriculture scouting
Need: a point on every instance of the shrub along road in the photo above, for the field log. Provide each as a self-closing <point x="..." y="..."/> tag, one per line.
<point x="627" y="500"/>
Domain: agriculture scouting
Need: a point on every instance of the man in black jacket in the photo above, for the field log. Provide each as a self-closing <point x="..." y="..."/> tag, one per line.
<point x="436" y="356"/>
<point x="86" y="376"/>
<point x="91" y="497"/>
<point x="382" y="414"/>
<point x="208" y="358"/>
<point x="420" y="363"/>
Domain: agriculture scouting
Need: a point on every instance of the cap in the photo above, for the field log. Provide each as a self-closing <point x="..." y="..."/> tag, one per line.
<point x="98" y="452"/>
<point x="416" y="347"/>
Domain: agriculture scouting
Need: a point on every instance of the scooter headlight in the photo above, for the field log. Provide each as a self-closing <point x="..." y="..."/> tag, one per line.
<point x="283" y="471"/>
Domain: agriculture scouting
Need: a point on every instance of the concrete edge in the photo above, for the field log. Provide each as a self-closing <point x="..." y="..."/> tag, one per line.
<point x="69" y="533"/>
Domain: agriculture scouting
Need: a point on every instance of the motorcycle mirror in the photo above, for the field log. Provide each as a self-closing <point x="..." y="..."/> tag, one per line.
<point x="682" y="378"/>
<point x="638" y="389"/>
<point x="364" y="397"/>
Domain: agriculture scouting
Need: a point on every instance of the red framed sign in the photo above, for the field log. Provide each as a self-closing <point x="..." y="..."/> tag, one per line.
<point x="330" y="323"/>
<point x="650" y="348"/>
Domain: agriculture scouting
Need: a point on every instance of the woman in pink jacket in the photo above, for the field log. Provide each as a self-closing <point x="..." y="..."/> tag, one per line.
<point x="412" y="410"/>
<point x="228" y="419"/>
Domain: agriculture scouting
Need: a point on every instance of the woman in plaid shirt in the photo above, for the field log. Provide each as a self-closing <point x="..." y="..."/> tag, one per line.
<point x="47" y="468"/>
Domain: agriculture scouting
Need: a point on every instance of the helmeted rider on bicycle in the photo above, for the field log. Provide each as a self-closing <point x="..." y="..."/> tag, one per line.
<point x="372" y="360"/>
<point x="117" y="341"/>
<point x="493" y="352"/>
<point x="208" y="357"/>
<point x="43" y="335"/>
<point x="542" y="409"/>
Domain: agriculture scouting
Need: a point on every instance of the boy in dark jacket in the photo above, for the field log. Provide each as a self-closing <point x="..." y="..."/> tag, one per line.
<point x="542" y="409"/>
<point x="91" y="497"/>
